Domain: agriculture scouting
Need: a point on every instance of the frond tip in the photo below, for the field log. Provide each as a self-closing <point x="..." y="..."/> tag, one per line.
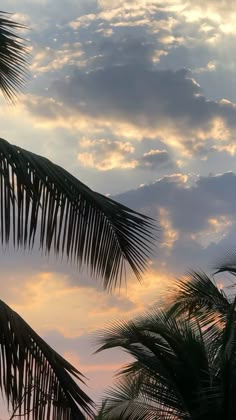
<point x="37" y="382"/>
<point x="39" y="198"/>
<point x="13" y="57"/>
<point x="227" y="263"/>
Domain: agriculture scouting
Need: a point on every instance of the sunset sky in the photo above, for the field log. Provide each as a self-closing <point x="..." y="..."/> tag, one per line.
<point x="138" y="100"/>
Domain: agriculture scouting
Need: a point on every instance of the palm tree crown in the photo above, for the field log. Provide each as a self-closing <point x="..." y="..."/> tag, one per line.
<point x="184" y="358"/>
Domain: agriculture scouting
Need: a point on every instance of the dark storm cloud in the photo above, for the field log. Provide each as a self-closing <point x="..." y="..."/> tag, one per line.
<point x="189" y="56"/>
<point x="139" y="95"/>
<point x="121" y="50"/>
<point x="189" y="207"/>
<point x="154" y="159"/>
<point x="188" y="254"/>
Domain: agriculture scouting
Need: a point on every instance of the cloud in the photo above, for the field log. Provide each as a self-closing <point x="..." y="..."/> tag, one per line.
<point x="197" y="217"/>
<point x="190" y="207"/>
<point x="87" y="64"/>
<point x="49" y="10"/>
<point x="79" y="351"/>
<point x="105" y="155"/>
<point x="49" y="59"/>
<point x="41" y="298"/>
<point x="222" y="7"/>
<point x="154" y="159"/>
<point x="168" y="104"/>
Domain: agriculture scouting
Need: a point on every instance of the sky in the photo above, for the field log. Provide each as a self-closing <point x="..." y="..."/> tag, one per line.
<point x="138" y="100"/>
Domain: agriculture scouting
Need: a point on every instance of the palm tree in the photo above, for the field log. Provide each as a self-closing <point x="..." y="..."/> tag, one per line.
<point x="42" y="203"/>
<point x="184" y="358"/>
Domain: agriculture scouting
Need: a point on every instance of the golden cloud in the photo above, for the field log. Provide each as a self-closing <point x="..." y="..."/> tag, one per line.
<point x="107" y="154"/>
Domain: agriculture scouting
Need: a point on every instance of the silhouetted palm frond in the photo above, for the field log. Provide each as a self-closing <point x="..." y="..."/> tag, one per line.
<point x="34" y="378"/>
<point x="184" y="357"/>
<point x="133" y="398"/>
<point x="39" y="196"/>
<point x="171" y="372"/>
<point x="197" y="291"/>
<point x="198" y="297"/>
<point x="197" y="294"/>
<point x="227" y="263"/>
<point x="13" y="57"/>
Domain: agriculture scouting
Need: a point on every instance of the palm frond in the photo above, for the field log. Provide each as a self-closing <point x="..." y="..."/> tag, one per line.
<point x="176" y="356"/>
<point x="132" y="399"/>
<point x="101" y="411"/>
<point x="227" y="263"/>
<point x="13" y="57"/>
<point x="198" y="295"/>
<point x="184" y="357"/>
<point x="197" y="298"/>
<point x="227" y="363"/>
<point x="39" y="196"/>
<point x="34" y="378"/>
